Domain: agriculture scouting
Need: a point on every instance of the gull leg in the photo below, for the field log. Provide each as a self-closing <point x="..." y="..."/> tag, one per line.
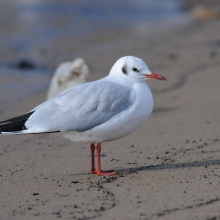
<point x="92" y="147"/>
<point x="99" y="171"/>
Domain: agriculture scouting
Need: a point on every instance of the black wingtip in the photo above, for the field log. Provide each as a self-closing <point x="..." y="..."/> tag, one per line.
<point x="15" y="124"/>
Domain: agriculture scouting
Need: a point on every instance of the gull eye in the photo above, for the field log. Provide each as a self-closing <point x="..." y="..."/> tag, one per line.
<point x="135" y="70"/>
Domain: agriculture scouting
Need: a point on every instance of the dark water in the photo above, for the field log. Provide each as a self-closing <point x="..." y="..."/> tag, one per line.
<point x="27" y="25"/>
<point x="52" y="19"/>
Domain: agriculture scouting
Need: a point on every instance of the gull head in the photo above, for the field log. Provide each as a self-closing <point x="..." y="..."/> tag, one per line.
<point x="133" y="69"/>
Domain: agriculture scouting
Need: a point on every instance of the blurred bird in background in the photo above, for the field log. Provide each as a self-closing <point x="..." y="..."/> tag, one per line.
<point x="67" y="75"/>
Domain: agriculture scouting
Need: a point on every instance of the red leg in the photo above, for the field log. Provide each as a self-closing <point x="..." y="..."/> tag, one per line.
<point x="99" y="171"/>
<point x="92" y="147"/>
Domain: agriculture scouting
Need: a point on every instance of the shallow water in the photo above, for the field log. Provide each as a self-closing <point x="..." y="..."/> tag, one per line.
<point x="27" y="25"/>
<point x="51" y="19"/>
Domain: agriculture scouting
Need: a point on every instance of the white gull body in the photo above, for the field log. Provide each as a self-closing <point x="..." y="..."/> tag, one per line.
<point x="99" y="111"/>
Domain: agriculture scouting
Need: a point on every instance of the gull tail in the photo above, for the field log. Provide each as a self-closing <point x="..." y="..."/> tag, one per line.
<point x="15" y="125"/>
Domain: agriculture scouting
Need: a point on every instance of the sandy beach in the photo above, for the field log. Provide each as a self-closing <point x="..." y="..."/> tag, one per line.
<point x="169" y="169"/>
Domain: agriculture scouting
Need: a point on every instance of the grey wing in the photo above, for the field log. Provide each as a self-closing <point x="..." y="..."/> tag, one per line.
<point x="81" y="108"/>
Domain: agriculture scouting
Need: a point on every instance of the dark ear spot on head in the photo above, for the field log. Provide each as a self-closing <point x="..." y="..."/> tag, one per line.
<point x="124" y="70"/>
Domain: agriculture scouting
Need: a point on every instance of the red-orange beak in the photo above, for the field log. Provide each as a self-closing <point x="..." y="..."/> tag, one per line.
<point x="156" y="76"/>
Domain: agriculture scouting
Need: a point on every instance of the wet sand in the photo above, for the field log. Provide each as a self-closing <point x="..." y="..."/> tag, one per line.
<point x="168" y="169"/>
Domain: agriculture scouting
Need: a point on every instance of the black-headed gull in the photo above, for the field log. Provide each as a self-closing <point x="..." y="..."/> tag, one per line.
<point x="94" y="112"/>
<point x="67" y="75"/>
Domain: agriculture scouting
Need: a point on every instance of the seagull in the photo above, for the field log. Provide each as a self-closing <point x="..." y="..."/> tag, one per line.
<point x="94" y="112"/>
<point x="67" y="75"/>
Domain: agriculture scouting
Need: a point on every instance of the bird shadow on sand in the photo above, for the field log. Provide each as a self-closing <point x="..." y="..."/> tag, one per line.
<point x="127" y="171"/>
<point x="204" y="163"/>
